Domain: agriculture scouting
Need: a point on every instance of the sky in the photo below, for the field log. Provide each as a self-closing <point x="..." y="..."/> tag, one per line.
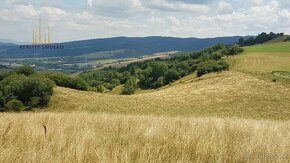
<point x="87" y="19"/>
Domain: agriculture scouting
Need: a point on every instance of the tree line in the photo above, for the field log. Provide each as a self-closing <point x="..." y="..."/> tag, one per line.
<point x="261" y="38"/>
<point x="156" y="73"/>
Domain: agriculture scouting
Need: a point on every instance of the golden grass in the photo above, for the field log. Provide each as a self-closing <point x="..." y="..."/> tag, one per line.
<point x="84" y="137"/>
<point x="225" y="94"/>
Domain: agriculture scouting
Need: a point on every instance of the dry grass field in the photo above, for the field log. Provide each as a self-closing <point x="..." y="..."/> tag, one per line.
<point x="221" y="117"/>
<point x="84" y="137"/>
<point x="225" y="94"/>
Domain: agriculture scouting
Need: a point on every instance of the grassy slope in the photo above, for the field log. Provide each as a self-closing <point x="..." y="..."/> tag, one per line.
<point x="83" y="137"/>
<point x="262" y="59"/>
<point x="224" y="94"/>
<point x="280" y="47"/>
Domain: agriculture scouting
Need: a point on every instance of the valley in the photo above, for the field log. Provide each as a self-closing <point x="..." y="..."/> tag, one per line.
<point x="239" y="115"/>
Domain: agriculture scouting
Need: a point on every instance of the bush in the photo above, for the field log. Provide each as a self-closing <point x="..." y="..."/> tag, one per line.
<point x="14" y="105"/>
<point x="211" y="66"/>
<point x="101" y="89"/>
<point x="65" y="81"/>
<point x="234" y="50"/>
<point x="172" y="75"/>
<point x="128" y="90"/>
<point x="25" y="70"/>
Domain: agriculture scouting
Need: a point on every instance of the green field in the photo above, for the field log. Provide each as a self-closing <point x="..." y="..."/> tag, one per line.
<point x="281" y="47"/>
<point x="103" y="54"/>
<point x="263" y="59"/>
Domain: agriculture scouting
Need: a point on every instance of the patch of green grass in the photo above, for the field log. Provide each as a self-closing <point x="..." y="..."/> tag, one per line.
<point x="283" y="74"/>
<point x="281" y="47"/>
<point x="260" y="62"/>
<point x="102" y="54"/>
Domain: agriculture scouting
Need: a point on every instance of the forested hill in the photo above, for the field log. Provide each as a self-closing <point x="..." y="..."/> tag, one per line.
<point x="123" y="46"/>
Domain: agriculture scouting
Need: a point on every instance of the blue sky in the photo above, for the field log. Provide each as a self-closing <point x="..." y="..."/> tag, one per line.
<point x="87" y="19"/>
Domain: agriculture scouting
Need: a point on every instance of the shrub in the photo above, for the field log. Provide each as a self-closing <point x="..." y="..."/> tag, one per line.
<point x="25" y="70"/>
<point x="14" y="105"/>
<point x="65" y="81"/>
<point x="38" y="89"/>
<point x="128" y="90"/>
<point x="101" y="88"/>
<point x="172" y="75"/>
<point x="234" y="50"/>
<point x="211" y="66"/>
<point x="35" y="101"/>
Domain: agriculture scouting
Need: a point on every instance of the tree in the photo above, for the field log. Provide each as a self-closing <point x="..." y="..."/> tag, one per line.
<point x="234" y="50"/>
<point x="33" y="90"/>
<point x="216" y="56"/>
<point x="172" y="75"/>
<point x="158" y="83"/>
<point x="158" y="69"/>
<point x="14" y="105"/>
<point x="101" y="89"/>
<point x="211" y="66"/>
<point x="130" y="86"/>
<point x="25" y="70"/>
<point x="128" y="90"/>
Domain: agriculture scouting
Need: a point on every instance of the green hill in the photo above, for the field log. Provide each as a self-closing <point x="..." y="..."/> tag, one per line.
<point x="269" y="61"/>
<point x="278" y="47"/>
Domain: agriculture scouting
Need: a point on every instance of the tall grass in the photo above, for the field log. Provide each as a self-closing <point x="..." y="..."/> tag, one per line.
<point x="83" y="137"/>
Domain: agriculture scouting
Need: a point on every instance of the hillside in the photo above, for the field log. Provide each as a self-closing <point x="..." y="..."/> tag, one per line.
<point x="224" y="94"/>
<point x="264" y="58"/>
<point x="119" y="47"/>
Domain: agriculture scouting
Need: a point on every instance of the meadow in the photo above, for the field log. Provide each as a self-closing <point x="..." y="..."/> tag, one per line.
<point x="263" y="58"/>
<point x="278" y="47"/>
<point x="84" y="137"/>
<point x="225" y="94"/>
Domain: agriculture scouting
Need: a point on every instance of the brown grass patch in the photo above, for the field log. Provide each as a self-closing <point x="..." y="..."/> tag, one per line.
<point x="225" y="94"/>
<point x="84" y="137"/>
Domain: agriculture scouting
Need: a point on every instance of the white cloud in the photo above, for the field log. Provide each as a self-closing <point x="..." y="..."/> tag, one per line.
<point x="181" y="18"/>
<point x="90" y="3"/>
<point x="175" y="6"/>
<point x="224" y="7"/>
<point x="26" y="11"/>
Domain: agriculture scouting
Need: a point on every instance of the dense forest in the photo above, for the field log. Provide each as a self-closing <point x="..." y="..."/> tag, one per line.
<point x="261" y="38"/>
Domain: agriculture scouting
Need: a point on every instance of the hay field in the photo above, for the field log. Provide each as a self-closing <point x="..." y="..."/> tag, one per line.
<point x="84" y="137"/>
<point x="225" y="94"/>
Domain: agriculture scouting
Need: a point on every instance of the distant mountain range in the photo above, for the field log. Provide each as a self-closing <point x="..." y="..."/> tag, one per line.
<point x="126" y="46"/>
<point x="12" y="41"/>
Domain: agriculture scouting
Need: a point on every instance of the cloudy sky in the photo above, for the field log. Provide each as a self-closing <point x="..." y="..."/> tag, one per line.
<point x="86" y="19"/>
